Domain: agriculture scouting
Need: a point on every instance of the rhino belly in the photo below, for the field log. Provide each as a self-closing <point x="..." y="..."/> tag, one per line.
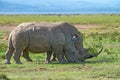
<point x="39" y="43"/>
<point x="39" y="48"/>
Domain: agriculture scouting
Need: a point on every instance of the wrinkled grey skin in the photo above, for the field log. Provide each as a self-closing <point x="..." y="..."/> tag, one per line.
<point x="41" y="37"/>
<point x="78" y="43"/>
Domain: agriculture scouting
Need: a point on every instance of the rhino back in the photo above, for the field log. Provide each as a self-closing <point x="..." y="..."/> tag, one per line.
<point x="43" y="36"/>
<point x="40" y="39"/>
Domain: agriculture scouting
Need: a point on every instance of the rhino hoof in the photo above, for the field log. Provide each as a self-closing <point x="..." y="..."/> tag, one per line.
<point x="29" y="60"/>
<point x="7" y="63"/>
<point x="64" y="62"/>
<point x="72" y="61"/>
<point x="53" y="60"/>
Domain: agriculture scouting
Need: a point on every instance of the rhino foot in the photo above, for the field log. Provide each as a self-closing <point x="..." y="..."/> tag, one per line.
<point x="47" y="62"/>
<point x="54" y="60"/>
<point x="63" y="62"/>
<point x="7" y="63"/>
<point x="29" y="60"/>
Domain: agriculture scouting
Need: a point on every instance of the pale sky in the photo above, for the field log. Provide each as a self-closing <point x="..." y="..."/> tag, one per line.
<point x="37" y="2"/>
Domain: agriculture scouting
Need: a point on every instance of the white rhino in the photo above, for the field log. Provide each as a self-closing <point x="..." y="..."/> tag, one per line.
<point x="76" y="37"/>
<point x="41" y="37"/>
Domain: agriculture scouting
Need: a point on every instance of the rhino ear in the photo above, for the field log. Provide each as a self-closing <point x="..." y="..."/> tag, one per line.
<point x="75" y="37"/>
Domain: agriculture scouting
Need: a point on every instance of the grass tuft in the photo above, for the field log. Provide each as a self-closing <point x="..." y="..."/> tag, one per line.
<point x="3" y="77"/>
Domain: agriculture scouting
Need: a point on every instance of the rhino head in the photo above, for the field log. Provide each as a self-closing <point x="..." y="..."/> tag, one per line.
<point x="83" y="53"/>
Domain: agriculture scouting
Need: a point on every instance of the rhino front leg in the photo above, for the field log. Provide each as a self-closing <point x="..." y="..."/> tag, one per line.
<point x="48" y="57"/>
<point x="54" y="57"/>
<point x="17" y="55"/>
<point x="26" y="56"/>
<point x="58" y="52"/>
<point x="70" y="56"/>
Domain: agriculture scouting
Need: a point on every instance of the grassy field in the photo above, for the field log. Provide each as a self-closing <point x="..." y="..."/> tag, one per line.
<point x="74" y="19"/>
<point x="104" y="67"/>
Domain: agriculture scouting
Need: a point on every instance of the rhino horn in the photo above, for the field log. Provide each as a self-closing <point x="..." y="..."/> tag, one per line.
<point x="95" y="54"/>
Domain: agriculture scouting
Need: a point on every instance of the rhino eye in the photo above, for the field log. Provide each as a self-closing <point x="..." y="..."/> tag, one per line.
<point x="75" y="38"/>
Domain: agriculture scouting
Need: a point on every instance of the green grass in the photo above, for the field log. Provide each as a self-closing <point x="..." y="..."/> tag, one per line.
<point x="104" y="67"/>
<point x="90" y="71"/>
<point x="74" y="19"/>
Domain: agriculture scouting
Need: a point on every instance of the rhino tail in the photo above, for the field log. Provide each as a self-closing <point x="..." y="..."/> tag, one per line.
<point x="10" y="45"/>
<point x="9" y="51"/>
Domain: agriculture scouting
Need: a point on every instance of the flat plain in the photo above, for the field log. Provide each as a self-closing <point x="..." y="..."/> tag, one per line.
<point x="97" y="30"/>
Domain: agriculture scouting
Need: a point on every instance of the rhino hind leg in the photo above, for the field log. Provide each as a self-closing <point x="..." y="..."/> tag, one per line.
<point x="48" y="57"/>
<point x="9" y="53"/>
<point x="26" y="56"/>
<point x="17" y="55"/>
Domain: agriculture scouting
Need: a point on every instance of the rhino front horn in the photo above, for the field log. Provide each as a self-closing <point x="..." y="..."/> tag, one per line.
<point x="96" y="54"/>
